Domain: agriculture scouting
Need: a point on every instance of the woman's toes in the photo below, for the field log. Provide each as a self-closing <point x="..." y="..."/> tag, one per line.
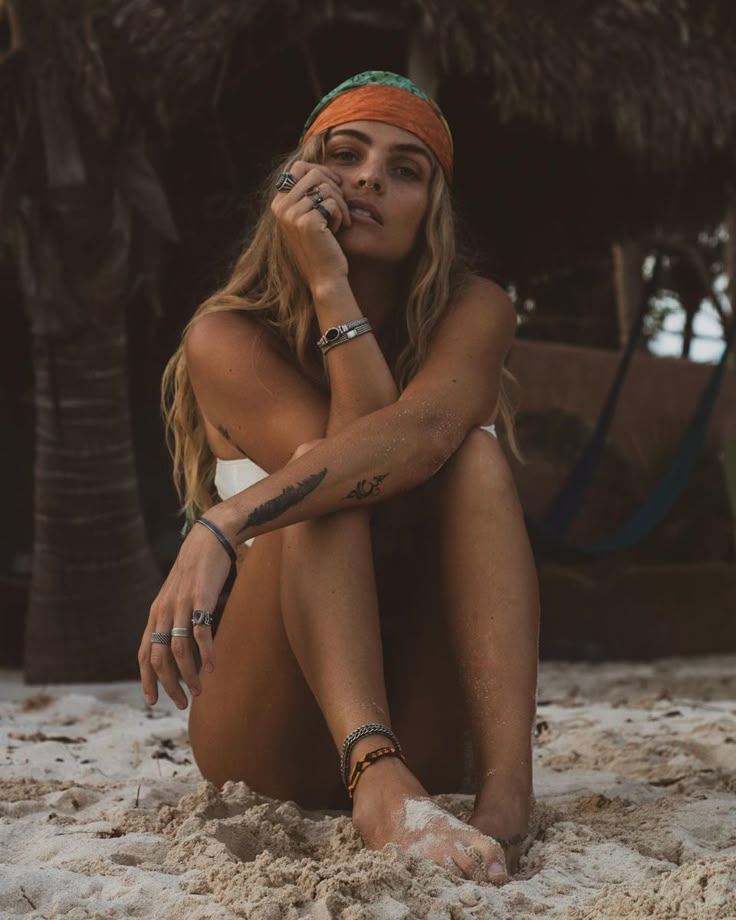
<point x="497" y="873"/>
<point x="471" y="861"/>
<point x="495" y="863"/>
<point x="481" y="860"/>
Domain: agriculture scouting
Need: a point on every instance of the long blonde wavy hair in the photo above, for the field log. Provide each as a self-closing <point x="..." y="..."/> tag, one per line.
<point x="266" y="283"/>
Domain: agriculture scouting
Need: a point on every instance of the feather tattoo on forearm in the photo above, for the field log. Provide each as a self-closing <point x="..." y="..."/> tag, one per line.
<point x="289" y="497"/>
<point x="366" y="488"/>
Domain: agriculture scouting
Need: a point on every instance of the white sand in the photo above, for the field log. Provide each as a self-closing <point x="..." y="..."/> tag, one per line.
<point x="103" y="814"/>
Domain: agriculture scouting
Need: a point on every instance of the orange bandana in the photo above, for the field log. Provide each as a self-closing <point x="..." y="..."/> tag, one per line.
<point x="394" y="106"/>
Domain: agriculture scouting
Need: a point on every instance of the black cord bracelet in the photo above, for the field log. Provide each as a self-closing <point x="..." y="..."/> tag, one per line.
<point x="220" y="536"/>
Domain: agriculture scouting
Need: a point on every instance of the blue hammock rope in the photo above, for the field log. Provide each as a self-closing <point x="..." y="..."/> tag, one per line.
<point x="547" y="535"/>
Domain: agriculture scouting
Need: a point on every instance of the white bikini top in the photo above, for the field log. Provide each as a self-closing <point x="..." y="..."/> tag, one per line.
<point x="233" y="476"/>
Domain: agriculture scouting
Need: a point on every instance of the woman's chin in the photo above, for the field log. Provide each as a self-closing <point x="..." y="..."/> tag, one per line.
<point x="352" y="245"/>
<point x="365" y="249"/>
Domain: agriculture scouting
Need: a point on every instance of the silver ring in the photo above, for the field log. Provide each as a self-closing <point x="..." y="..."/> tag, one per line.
<point x="316" y="196"/>
<point x="323" y="211"/>
<point x="161" y="638"/>
<point x="285" y="182"/>
<point x="202" y="618"/>
<point x="179" y="631"/>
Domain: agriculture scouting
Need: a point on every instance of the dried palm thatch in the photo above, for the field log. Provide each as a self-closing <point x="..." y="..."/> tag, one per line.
<point x="659" y="74"/>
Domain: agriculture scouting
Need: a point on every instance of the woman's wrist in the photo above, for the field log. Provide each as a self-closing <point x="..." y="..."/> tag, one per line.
<point x="332" y="292"/>
<point x="226" y="518"/>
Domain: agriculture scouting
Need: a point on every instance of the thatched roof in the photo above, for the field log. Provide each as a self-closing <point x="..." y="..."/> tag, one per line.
<point x="657" y="75"/>
<point x="572" y="107"/>
<point x="660" y="75"/>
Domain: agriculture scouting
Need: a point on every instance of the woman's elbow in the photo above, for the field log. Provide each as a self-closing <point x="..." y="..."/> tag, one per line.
<point x="437" y="440"/>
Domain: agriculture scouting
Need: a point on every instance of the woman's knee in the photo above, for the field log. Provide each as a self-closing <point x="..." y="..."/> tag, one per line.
<point x="304" y="449"/>
<point x="480" y="464"/>
<point x="348" y="521"/>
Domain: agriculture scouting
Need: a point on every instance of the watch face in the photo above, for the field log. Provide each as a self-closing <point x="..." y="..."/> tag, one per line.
<point x="332" y="334"/>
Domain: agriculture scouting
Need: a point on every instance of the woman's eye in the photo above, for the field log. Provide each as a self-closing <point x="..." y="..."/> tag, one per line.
<point x="346" y="156"/>
<point x="407" y="172"/>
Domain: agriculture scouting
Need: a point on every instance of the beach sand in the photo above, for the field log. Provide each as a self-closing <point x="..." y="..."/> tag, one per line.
<point x="104" y="814"/>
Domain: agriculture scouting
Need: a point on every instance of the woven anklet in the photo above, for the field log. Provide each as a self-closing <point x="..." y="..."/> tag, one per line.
<point x="362" y="765"/>
<point x="370" y="728"/>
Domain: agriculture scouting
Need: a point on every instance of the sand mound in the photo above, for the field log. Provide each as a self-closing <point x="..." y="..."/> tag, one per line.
<point x="104" y="815"/>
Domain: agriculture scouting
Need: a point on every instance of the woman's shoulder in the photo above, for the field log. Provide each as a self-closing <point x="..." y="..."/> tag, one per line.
<point x="217" y="343"/>
<point x="213" y="337"/>
<point x="479" y="288"/>
<point x="219" y="325"/>
<point x="479" y="296"/>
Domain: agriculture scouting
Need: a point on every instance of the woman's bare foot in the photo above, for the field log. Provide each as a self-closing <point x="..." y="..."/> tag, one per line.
<point x="504" y="815"/>
<point x="390" y="805"/>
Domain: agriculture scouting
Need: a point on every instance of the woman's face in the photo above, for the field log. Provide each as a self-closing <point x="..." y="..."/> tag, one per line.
<point x="385" y="182"/>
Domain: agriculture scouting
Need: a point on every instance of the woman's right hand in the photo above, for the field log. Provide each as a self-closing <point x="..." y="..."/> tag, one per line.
<point x="310" y="238"/>
<point x="193" y="583"/>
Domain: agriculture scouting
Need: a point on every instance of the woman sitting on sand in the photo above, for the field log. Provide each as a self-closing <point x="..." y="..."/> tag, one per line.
<point x="338" y="393"/>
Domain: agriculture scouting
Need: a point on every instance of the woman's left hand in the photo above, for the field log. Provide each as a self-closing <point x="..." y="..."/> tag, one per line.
<point x="194" y="583"/>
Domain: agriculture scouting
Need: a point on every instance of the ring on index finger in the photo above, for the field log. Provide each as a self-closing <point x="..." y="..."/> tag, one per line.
<point x="285" y="182"/>
<point x="202" y="618"/>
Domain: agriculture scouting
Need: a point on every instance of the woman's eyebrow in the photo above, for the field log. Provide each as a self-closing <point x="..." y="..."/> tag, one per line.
<point x="367" y="139"/>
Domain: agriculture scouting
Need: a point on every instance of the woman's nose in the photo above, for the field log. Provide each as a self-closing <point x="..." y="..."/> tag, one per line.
<point x="371" y="173"/>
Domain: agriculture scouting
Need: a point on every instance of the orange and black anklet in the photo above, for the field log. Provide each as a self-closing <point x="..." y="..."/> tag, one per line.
<point x="362" y="765"/>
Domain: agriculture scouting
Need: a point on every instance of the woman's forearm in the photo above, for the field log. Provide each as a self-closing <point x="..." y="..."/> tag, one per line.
<point x="353" y="465"/>
<point x="372" y="459"/>
<point x="360" y="380"/>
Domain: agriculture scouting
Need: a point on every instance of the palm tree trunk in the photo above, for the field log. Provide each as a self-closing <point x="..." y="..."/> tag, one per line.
<point x="93" y="573"/>
<point x="85" y="214"/>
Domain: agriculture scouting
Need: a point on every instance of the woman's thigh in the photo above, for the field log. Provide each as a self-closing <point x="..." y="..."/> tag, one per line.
<point x="256" y="720"/>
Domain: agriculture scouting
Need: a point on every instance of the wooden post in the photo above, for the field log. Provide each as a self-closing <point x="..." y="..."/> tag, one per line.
<point x="421" y="64"/>
<point x="628" y="284"/>
<point x="729" y="249"/>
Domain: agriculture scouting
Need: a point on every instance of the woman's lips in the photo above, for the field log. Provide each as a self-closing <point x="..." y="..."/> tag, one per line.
<point x="361" y="217"/>
<point x="363" y="212"/>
